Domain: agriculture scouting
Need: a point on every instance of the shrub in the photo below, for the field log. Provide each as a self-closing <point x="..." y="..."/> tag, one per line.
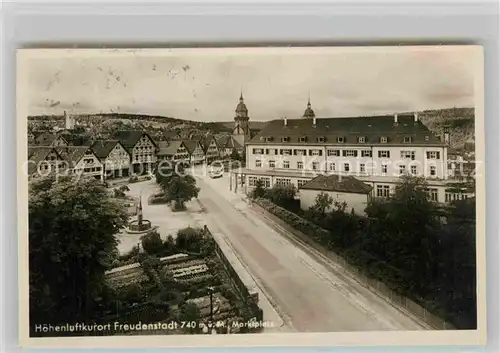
<point x="118" y="193"/>
<point x="152" y="243"/>
<point x="130" y="254"/>
<point x="133" y="179"/>
<point x="193" y="240"/>
<point x="124" y="188"/>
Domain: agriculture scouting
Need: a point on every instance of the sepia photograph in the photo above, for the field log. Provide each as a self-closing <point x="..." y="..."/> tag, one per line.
<point x="251" y="192"/>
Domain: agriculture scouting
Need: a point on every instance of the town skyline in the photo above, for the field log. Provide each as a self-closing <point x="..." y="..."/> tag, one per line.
<point x="343" y="82"/>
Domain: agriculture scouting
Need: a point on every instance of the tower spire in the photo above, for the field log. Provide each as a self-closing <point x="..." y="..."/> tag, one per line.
<point x="241" y="94"/>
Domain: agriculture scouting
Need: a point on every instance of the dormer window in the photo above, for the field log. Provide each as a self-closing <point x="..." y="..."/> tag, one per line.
<point x="361" y="139"/>
<point x="285" y="139"/>
<point x="268" y="139"/>
<point x="340" y="140"/>
<point x="321" y="139"/>
<point x="303" y="139"/>
<point x="426" y="138"/>
<point x="383" y="139"/>
<point x="407" y="139"/>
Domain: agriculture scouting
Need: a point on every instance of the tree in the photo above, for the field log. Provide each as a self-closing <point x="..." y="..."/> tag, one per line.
<point x="258" y="190"/>
<point x="152" y="243"/>
<point x="181" y="189"/>
<point x="72" y="227"/>
<point x="322" y="203"/>
<point x="283" y="196"/>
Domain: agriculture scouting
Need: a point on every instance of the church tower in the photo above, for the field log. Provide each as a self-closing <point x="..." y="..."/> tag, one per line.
<point x="309" y="113"/>
<point x="241" y="119"/>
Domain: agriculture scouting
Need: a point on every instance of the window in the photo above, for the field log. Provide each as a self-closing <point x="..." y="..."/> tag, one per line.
<point x="272" y="151"/>
<point x="413" y="169"/>
<point x="333" y="152"/>
<point x="408" y="155"/>
<point x="383" y="139"/>
<point x="299" y="152"/>
<point x="407" y="139"/>
<point x="433" y="155"/>
<point x="285" y="139"/>
<point x="283" y="181"/>
<point x="286" y="152"/>
<point x="258" y="151"/>
<point x="366" y="153"/>
<point x="347" y="167"/>
<point x="268" y="138"/>
<point x="301" y="182"/>
<point x="362" y="139"/>
<point x="402" y="169"/>
<point x="315" y="152"/>
<point x="384" y="168"/>
<point x="383" y="190"/>
<point x="340" y="139"/>
<point x="432" y="170"/>
<point x="315" y="165"/>
<point x="432" y="194"/>
<point x="252" y="181"/>
<point x="350" y="153"/>
<point x="384" y="154"/>
<point x="321" y="139"/>
<point x="272" y="164"/>
<point x="302" y="139"/>
<point x="332" y="167"/>
<point x="258" y="163"/>
<point x="286" y="164"/>
<point x="362" y="168"/>
<point x="300" y="165"/>
<point x="426" y="138"/>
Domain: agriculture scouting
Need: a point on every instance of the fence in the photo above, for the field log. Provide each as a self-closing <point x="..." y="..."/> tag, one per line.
<point x="251" y="298"/>
<point x="374" y="285"/>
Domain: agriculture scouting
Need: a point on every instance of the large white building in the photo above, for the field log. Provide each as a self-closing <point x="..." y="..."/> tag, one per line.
<point x="376" y="150"/>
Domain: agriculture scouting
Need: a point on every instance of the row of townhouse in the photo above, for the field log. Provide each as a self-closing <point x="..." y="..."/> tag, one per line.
<point x="129" y="152"/>
<point x="361" y="153"/>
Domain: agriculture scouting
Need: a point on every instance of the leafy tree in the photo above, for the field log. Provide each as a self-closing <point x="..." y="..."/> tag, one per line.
<point x="181" y="189"/>
<point x="258" y="190"/>
<point x="152" y="243"/>
<point x="72" y="227"/>
<point x="193" y="240"/>
<point x="283" y="196"/>
<point x="322" y="203"/>
<point x="190" y="313"/>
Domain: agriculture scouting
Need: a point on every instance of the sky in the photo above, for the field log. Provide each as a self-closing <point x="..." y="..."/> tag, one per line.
<point x="205" y="85"/>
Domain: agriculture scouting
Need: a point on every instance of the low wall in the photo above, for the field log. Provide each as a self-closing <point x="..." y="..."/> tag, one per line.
<point x="250" y="296"/>
<point x="374" y="285"/>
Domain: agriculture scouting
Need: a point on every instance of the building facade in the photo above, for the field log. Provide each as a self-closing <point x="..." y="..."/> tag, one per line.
<point x="142" y="150"/>
<point x="114" y="156"/>
<point x="44" y="161"/>
<point x="376" y="150"/>
<point x="196" y="151"/>
<point x="82" y="161"/>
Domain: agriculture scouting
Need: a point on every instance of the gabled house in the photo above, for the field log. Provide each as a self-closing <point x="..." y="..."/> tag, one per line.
<point x="82" y="161"/>
<point x="141" y="148"/>
<point x="195" y="150"/>
<point x="174" y="151"/>
<point x="211" y="148"/>
<point x="114" y="156"/>
<point x="226" y="145"/>
<point x="43" y="161"/>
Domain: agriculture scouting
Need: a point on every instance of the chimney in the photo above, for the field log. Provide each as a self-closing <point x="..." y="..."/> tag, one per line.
<point x="415" y="117"/>
<point x="285" y="121"/>
<point x="395" y="118"/>
<point x="314" y="121"/>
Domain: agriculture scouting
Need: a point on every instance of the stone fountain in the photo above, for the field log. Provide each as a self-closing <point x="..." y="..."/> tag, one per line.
<point x="139" y="225"/>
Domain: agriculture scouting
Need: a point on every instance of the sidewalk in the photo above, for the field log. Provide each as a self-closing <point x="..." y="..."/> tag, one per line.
<point x="270" y="314"/>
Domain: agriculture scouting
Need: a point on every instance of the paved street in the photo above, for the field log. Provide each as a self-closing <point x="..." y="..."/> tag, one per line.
<point x="309" y="297"/>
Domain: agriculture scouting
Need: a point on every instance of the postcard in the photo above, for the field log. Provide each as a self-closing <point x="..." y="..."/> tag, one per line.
<point x="244" y="196"/>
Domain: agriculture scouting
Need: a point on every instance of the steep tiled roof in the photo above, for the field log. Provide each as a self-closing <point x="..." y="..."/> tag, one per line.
<point x="168" y="148"/>
<point x="37" y="154"/>
<point x="228" y="142"/>
<point x="129" y="138"/>
<point x="78" y="140"/>
<point x="371" y="128"/>
<point x="72" y="154"/>
<point x="337" y="183"/>
<point x="190" y="145"/>
<point x="205" y="143"/>
<point x="102" y="148"/>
